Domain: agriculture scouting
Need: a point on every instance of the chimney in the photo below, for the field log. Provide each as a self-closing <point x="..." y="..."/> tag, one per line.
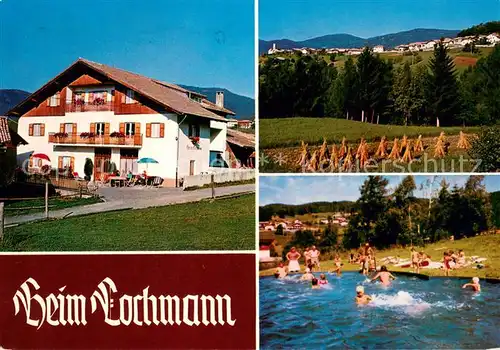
<point x="219" y="99"/>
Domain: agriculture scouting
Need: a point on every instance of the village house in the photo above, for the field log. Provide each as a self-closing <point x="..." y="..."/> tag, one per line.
<point x="245" y="124"/>
<point x="232" y="122"/>
<point x="493" y="38"/>
<point x="378" y="48"/>
<point x="113" y="116"/>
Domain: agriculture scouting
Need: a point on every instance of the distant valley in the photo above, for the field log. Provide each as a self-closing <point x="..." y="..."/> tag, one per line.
<point x="350" y="41"/>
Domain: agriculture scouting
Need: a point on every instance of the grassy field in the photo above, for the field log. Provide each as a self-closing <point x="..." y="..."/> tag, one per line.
<point x="226" y="224"/>
<point x="486" y="246"/>
<point x="16" y="208"/>
<point x="289" y="132"/>
<point x="461" y="59"/>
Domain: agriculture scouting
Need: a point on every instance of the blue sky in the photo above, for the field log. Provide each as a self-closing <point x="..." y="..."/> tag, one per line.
<point x="304" y="19"/>
<point x="206" y="43"/>
<point x="306" y="189"/>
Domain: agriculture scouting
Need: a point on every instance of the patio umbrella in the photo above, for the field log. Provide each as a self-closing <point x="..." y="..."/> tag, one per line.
<point x="147" y="161"/>
<point x="41" y="156"/>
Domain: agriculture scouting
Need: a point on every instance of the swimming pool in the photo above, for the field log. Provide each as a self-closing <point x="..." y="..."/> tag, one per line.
<point x="412" y="313"/>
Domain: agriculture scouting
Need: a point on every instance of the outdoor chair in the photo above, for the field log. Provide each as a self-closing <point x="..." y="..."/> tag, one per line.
<point x="156" y="182"/>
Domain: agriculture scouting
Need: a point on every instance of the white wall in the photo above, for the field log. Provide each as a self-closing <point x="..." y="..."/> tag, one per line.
<point x="218" y="136"/>
<point x="230" y="175"/>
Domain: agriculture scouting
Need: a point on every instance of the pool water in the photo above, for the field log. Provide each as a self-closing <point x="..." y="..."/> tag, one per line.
<point x="411" y="313"/>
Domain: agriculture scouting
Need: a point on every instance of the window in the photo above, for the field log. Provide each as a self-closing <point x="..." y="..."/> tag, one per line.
<point x="129" y="129"/>
<point x="68" y="128"/>
<point x="155" y="130"/>
<point x="194" y="130"/>
<point x="216" y="160"/>
<point x="54" y="100"/>
<point x="129" y="98"/>
<point x="66" y="162"/>
<point x="36" y="129"/>
<point x="99" y="128"/>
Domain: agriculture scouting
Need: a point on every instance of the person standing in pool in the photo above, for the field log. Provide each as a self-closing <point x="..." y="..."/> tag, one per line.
<point x="361" y="297"/>
<point x="322" y="280"/>
<point x="384" y="276"/>
<point x="307" y="276"/>
<point x="314" y="254"/>
<point x="293" y="257"/>
<point x="315" y="284"/>
<point x="338" y="265"/>
<point x="474" y="285"/>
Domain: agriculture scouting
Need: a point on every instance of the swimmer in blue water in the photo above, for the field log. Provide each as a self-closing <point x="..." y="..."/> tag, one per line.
<point x="474" y="285"/>
<point x="361" y="297"/>
<point x="315" y="284"/>
<point x="384" y="276"/>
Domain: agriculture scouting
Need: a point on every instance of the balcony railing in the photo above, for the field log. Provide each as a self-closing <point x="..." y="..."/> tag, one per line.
<point x="89" y="106"/>
<point x="105" y="140"/>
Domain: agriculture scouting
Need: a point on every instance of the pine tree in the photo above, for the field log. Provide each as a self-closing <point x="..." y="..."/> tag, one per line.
<point x="442" y="87"/>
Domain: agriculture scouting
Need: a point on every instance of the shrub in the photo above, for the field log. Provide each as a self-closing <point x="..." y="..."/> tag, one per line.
<point x="88" y="169"/>
<point x="486" y="149"/>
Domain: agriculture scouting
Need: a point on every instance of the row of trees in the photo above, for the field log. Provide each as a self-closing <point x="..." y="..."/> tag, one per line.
<point x="481" y="29"/>
<point x="386" y="218"/>
<point x="376" y="90"/>
<point x="286" y="210"/>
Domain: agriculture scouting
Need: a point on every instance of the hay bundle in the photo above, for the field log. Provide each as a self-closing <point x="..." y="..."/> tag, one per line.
<point x="395" y="151"/>
<point x="463" y="142"/>
<point x="313" y="164"/>
<point x="343" y="148"/>
<point x="323" y="152"/>
<point x="407" y="155"/>
<point x="363" y="155"/>
<point x="382" y="148"/>
<point x="419" y="146"/>
<point x="347" y="164"/>
<point x="360" y="147"/>
<point x="334" y="158"/>
<point x="404" y="142"/>
<point x="305" y="155"/>
<point x="439" y="150"/>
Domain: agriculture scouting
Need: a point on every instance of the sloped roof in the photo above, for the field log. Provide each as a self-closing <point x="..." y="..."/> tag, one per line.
<point x="213" y="107"/>
<point x="241" y="139"/>
<point x="171" y="96"/>
<point x="9" y="136"/>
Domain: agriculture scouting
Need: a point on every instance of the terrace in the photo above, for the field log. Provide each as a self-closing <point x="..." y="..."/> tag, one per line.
<point x="93" y="140"/>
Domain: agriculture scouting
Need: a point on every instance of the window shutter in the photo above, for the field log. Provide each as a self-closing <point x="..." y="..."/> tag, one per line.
<point x="106" y="129"/>
<point x="124" y="96"/>
<point x="30" y="131"/>
<point x="122" y="128"/>
<point x="72" y="164"/>
<point x="59" y="162"/>
<point x="74" y="128"/>
<point x="92" y="128"/>
<point x="31" y="162"/>
<point x="148" y="129"/>
<point x="61" y="127"/>
<point x="162" y="129"/>
<point x="105" y="96"/>
<point x="137" y="128"/>
<point x="48" y="101"/>
<point x="42" y="129"/>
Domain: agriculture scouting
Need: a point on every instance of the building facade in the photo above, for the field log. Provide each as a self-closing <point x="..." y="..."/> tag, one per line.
<point x="115" y="118"/>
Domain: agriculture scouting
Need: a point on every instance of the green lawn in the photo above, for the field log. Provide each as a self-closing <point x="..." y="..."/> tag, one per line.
<point x="287" y="132"/>
<point x="16" y="208"/>
<point x="225" y="224"/>
<point x="486" y="246"/>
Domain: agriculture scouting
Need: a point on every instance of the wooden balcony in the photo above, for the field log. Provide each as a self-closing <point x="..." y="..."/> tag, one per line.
<point x="96" y="141"/>
<point x="89" y="107"/>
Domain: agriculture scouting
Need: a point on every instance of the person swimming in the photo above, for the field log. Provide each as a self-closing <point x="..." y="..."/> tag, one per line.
<point x="307" y="276"/>
<point x="361" y="297"/>
<point x="315" y="283"/>
<point x="322" y="279"/>
<point x="280" y="271"/>
<point x="474" y="285"/>
<point x="384" y="276"/>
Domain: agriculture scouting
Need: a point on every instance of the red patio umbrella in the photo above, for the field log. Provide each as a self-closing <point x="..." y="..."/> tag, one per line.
<point x="41" y="156"/>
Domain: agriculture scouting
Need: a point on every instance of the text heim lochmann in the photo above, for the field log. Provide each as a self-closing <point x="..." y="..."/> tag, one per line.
<point x="140" y="310"/>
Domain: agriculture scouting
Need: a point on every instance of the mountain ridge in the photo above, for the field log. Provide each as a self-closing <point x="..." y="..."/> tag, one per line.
<point x="344" y="40"/>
